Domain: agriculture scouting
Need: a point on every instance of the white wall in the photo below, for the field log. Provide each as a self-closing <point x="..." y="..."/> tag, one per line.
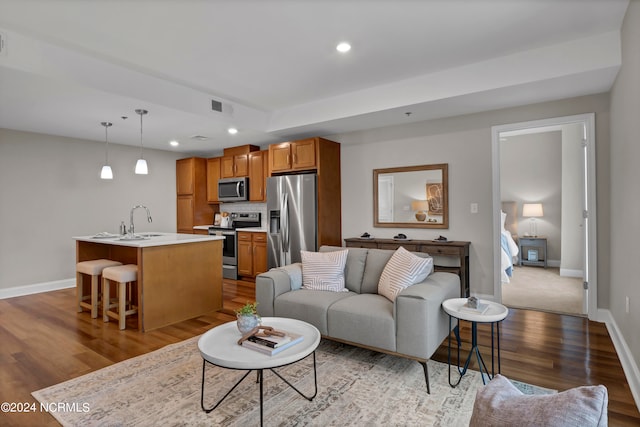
<point x="625" y="177"/>
<point x="50" y="190"/>
<point x="465" y="144"/>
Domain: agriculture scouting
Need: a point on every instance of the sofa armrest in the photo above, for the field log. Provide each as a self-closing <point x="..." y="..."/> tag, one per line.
<point x="421" y="323"/>
<point x="275" y="282"/>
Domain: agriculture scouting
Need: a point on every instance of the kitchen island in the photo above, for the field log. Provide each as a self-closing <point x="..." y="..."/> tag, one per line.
<point x="179" y="275"/>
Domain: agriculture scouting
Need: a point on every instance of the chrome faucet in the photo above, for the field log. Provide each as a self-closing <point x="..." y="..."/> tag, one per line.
<point x="131" y="227"/>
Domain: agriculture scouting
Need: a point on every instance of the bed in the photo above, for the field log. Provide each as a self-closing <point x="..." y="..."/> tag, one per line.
<point x="510" y="251"/>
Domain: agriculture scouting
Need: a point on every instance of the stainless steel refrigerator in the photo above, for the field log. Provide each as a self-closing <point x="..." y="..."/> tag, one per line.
<point x="293" y="217"/>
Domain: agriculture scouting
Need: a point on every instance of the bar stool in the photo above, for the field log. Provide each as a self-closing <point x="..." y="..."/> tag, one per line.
<point x="124" y="276"/>
<point x="94" y="269"/>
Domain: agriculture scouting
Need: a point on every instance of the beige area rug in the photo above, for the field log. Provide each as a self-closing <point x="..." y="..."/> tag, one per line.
<point x="543" y="289"/>
<point x="355" y="387"/>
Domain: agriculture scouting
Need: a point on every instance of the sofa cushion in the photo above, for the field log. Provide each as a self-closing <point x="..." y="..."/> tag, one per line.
<point x="324" y="271"/>
<point x="403" y="270"/>
<point x="309" y="306"/>
<point x="354" y="268"/>
<point x="364" y="319"/>
<point x="376" y="260"/>
<point x="500" y="403"/>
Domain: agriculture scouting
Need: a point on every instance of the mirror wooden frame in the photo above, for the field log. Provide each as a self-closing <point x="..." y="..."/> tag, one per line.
<point x="443" y="167"/>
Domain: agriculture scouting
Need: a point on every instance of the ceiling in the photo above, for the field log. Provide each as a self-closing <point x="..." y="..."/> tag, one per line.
<point x="67" y="65"/>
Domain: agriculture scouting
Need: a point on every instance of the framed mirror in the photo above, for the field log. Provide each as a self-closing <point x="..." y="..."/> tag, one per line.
<point x="411" y="196"/>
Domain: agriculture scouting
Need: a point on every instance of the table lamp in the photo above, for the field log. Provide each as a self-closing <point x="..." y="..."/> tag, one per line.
<point x="533" y="211"/>
<point x="420" y="206"/>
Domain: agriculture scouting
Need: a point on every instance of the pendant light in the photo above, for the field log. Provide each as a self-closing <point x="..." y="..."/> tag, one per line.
<point x="141" y="165"/>
<point x="106" y="172"/>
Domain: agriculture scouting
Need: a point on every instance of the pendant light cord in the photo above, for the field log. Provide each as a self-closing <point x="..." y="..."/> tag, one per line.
<point x="141" y="142"/>
<point x="106" y="138"/>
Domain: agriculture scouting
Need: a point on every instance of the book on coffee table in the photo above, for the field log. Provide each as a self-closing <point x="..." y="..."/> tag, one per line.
<point x="272" y="344"/>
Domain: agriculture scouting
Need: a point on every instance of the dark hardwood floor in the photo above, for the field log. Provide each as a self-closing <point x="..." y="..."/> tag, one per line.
<point x="43" y="341"/>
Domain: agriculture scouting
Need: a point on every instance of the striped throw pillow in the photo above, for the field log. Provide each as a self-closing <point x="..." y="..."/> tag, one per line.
<point x="403" y="270"/>
<point x="324" y="271"/>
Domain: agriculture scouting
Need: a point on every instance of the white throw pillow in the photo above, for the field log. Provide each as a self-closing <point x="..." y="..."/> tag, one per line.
<point x="324" y="271"/>
<point x="403" y="270"/>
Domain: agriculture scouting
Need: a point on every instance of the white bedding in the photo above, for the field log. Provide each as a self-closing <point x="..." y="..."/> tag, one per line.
<point x="507" y="261"/>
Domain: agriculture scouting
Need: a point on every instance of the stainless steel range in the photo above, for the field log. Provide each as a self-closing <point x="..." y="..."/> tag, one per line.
<point x="230" y="243"/>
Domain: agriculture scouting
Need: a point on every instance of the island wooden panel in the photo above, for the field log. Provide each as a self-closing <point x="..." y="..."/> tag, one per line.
<point x="458" y="251"/>
<point x="175" y="282"/>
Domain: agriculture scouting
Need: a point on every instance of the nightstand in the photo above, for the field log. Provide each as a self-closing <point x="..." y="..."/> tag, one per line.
<point x="533" y="251"/>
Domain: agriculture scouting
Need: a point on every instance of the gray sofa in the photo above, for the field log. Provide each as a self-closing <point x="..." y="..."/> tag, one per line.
<point x="413" y="326"/>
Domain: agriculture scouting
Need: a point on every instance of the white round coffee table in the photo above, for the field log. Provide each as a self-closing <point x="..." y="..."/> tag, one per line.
<point x="494" y="314"/>
<point x="219" y="347"/>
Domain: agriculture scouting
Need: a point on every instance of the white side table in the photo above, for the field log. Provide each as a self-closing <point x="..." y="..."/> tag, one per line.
<point x="219" y="347"/>
<point x="494" y="315"/>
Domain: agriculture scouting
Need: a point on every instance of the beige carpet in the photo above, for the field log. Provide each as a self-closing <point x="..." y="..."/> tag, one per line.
<point x="355" y="387"/>
<point x="543" y="289"/>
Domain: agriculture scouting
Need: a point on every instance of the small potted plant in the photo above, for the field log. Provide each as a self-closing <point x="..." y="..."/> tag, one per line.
<point x="247" y="317"/>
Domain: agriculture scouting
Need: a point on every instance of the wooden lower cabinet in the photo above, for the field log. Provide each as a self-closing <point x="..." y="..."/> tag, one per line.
<point x="252" y="253"/>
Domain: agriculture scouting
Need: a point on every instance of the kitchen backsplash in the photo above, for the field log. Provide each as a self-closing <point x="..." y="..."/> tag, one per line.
<point x="247" y="207"/>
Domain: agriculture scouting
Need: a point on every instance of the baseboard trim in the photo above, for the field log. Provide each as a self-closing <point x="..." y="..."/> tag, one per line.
<point x="629" y="365"/>
<point x="566" y="272"/>
<point x="18" y="291"/>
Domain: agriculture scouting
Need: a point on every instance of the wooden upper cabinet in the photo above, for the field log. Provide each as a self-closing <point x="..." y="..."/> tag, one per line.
<point x="213" y="175"/>
<point x="235" y="166"/>
<point x="258" y="175"/>
<point x="303" y="154"/>
<point x="235" y="162"/>
<point x="293" y="156"/>
<point x="185" y="176"/>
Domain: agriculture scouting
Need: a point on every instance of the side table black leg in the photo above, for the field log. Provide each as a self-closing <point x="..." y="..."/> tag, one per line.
<point x="260" y="374"/>
<point x="498" y="334"/>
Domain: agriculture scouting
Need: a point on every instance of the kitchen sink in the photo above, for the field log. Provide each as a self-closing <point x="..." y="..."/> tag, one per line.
<point x="134" y="237"/>
<point x="151" y="234"/>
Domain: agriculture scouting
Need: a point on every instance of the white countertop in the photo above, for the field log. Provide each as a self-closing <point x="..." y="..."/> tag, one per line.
<point x="250" y="229"/>
<point x="162" y="239"/>
<point x="253" y="229"/>
<point x="202" y="227"/>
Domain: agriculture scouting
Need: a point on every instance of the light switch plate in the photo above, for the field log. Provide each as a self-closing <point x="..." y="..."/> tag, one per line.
<point x="474" y="208"/>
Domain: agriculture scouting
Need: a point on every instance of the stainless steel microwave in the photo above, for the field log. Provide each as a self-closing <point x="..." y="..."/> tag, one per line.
<point x="233" y="189"/>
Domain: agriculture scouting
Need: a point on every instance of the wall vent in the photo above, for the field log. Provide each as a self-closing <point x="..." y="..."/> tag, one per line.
<point x="216" y="105"/>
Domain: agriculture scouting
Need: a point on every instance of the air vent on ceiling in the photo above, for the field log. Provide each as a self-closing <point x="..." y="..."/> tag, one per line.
<point x="199" y="137"/>
<point x="3" y="44"/>
<point x="216" y="105"/>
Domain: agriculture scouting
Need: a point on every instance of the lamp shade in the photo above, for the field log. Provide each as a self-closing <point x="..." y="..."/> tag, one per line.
<point x="419" y="205"/>
<point x="532" y="210"/>
<point x="141" y="167"/>
<point x="106" y="172"/>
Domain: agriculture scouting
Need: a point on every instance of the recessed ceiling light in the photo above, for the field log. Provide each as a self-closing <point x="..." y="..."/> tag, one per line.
<point x="232" y="131"/>
<point x="343" y="47"/>
<point x="174" y="143"/>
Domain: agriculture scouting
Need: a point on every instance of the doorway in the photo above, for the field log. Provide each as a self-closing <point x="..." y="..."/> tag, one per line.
<point x="569" y="248"/>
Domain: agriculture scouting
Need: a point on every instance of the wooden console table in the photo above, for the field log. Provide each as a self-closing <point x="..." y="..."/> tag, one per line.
<point x="453" y="249"/>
